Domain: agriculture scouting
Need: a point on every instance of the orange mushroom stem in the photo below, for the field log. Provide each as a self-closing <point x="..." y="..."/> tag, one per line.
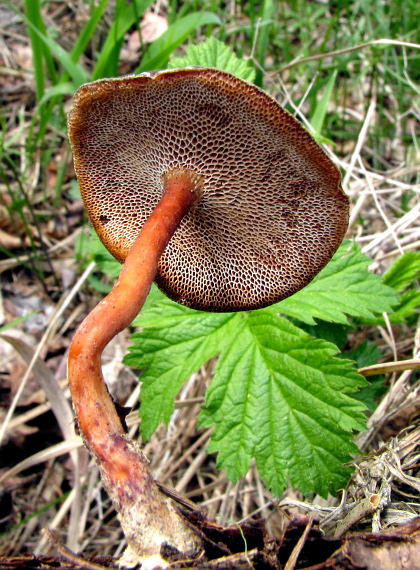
<point x="124" y="469"/>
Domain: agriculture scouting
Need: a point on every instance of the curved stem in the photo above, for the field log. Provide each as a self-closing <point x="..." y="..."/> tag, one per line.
<point x="124" y="469"/>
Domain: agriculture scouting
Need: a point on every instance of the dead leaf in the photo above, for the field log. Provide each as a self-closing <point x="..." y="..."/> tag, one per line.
<point x="152" y="26"/>
<point x="395" y="549"/>
<point x="12" y="229"/>
<point x="23" y="55"/>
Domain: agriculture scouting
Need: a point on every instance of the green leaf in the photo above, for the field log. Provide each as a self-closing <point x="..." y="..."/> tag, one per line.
<point x="174" y="343"/>
<point x="98" y="285"/>
<point x="91" y="246"/>
<point x="331" y="332"/>
<point x="343" y="287"/>
<point x="403" y="271"/>
<point x="97" y="252"/>
<point x="402" y="276"/>
<point x="318" y="118"/>
<point x="367" y="354"/>
<point x="213" y="53"/>
<point x="369" y="395"/>
<point x="408" y="306"/>
<point x="280" y="396"/>
<point x="88" y="30"/>
<point x="157" y="55"/>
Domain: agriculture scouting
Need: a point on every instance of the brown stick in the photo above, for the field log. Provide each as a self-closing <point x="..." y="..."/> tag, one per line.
<point x="124" y="469"/>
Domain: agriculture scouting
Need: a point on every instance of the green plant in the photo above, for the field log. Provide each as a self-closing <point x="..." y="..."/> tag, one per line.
<point x="278" y="394"/>
<point x="344" y="296"/>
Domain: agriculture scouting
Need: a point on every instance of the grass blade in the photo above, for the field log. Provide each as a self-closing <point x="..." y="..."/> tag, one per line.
<point x="263" y="39"/>
<point x="318" y="117"/>
<point x="42" y="41"/>
<point x="33" y="8"/>
<point x="41" y="55"/>
<point x="88" y="31"/>
<point x="117" y="31"/>
<point x="65" y="88"/>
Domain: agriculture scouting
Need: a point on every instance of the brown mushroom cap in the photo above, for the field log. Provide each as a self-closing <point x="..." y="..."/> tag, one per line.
<point x="272" y="210"/>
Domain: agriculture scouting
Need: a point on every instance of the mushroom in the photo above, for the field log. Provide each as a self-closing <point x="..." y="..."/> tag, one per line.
<point x="203" y="183"/>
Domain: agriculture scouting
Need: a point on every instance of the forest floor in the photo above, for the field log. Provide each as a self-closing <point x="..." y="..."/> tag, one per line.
<point x="48" y="285"/>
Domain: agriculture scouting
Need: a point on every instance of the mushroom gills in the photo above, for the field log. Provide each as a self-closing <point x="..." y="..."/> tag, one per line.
<point x="271" y="211"/>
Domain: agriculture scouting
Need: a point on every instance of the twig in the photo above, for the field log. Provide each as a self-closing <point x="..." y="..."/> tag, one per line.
<point x="69" y="555"/>
<point x="360" y="141"/>
<point x="388" y="367"/>
<point x="291" y="563"/>
<point x="360" y="511"/>
<point x="343" y="51"/>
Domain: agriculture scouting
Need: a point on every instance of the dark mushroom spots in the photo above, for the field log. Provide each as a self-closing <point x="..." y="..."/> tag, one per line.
<point x="271" y="210"/>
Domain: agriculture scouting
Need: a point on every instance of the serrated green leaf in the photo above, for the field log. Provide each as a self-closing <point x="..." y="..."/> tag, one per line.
<point x="343" y="287"/>
<point x="213" y="53"/>
<point x="371" y="393"/>
<point x="403" y="271"/>
<point x="174" y="343"/>
<point x="365" y="354"/>
<point x="331" y="332"/>
<point x="280" y="396"/>
<point x="408" y="306"/>
<point x="236" y="392"/>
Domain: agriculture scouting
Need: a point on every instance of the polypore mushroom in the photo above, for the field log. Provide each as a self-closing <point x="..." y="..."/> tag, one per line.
<point x="202" y="182"/>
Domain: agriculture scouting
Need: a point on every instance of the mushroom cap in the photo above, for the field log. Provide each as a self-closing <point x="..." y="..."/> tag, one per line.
<point x="271" y="213"/>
